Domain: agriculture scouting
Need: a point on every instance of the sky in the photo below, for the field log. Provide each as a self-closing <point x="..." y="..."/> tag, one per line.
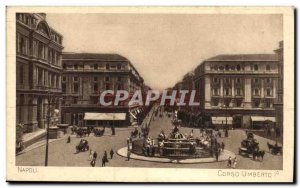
<point x="164" y="47"/>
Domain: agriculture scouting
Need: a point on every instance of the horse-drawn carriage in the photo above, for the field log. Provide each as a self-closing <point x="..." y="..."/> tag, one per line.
<point x="274" y="149"/>
<point x="99" y="132"/>
<point x="249" y="145"/>
<point x="81" y="131"/>
<point x="82" y="146"/>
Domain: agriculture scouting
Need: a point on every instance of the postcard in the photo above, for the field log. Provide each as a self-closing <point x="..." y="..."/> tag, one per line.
<point x="150" y="94"/>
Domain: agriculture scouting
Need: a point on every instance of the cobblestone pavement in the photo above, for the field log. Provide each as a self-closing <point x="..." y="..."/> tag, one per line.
<point x="63" y="154"/>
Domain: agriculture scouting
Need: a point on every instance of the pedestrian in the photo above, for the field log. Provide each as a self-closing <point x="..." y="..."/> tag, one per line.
<point x="93" y="163"/>
<point x="128" y="155"/>
<point x="153" y="150"/>
<point x="111" y="153"/>
<point x="69" y="139"/>
<point x="229" y="162"/>
<point x="95" y="155"/>
<point x="128" y="143"/>
<point x="91" y="155"/>
<point x="103" y="161"/>
<point x="148" y="150"/>
<point x="217" y="155"/>
<point x="222" y="146"/>
<point x="234" y="162"/>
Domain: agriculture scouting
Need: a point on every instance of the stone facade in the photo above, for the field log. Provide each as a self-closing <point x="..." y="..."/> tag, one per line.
<point x="38" y="70"/>
<point x="279" y="97"/>
<point x="243" y="85"/>
<point x="86" y="75"/>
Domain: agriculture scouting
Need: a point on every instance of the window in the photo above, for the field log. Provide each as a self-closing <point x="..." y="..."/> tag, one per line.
<point x="216" y="67"/>
<point x="268" y="80"/>
<point x="118" y="66"/>
<point x="269" y="92"/>
<point x="63" y="87"/>
<point x="238" y="67"/>
<point x="95" y="87"/>
<point x="227" y="91"/>
<point x="95" y="66"/>
<point x="119" y="79"/>
<point x="216" y="80"/>
<point x="227" y="67"/>
<point x="268" y="67"/>
<point x="238" y="80"/>
<point x="215" y="91"/>
<point x="107" y="87"/>
<point x="21" y="74"/>
<point x="95" y="79"/>
<point x="75" y="85"/>
<point x="107" y="67"/>
<point x="256" y="80"/>
<point x="22" y="45"/>
<point x="256" y="104"/>
<point x="238" y="92"/>
<point x="64" y="78"/>
<point x="76" y="67"/>
<point x="256" y="92"/>
<point x="64" y="66"/>
<point x="255" y="67"/>
<point x="40" y="50"/>
<point x="268" y="104"/>
<point x="227" y="80"/>
<point x="75" y="78"/>
<point x="106" y="78"/>
<point x="75" y="100"/>
<point x="119" y="87"/>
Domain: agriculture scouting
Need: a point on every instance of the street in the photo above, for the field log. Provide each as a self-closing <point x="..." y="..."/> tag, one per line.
<point x="63" y="154"/>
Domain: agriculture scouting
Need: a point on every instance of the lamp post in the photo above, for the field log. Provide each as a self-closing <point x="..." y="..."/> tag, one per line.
<point x="47" y="130"/>
<point x="226" y="125"/>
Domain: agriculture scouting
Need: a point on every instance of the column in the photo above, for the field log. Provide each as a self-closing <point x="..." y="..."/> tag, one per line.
<point x="232" y="88"/>
<point x="274" y="88"/>
<point x="207" y="92"/>
<point x="262" y="94"/>
<point x="43" y="77"/>
<point x="247" y="91"/>
<point x="221" y="87"/>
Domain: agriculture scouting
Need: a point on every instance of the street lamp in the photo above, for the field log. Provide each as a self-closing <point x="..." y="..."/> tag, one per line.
<point x="226" y="125"/>
<point x="47" y="130"/>
<point x="56" y="112"/>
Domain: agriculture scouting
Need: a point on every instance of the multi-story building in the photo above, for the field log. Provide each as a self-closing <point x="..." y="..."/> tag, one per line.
<point x="279" y="97"/>
<point x="85" y="77"/>
<point x="239" y="88"/>
<point x="38" y="70"/>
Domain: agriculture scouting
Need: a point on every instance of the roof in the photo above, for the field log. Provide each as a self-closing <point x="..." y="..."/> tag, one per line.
<point x="94" y="56"/>
<point x="245" y="57"/>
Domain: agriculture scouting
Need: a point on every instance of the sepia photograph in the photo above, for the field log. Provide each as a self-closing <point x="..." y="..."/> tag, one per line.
<point x="176" y="94"/>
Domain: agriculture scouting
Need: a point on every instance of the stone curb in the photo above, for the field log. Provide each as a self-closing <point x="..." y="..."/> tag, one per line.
<point x="223" y="157"/>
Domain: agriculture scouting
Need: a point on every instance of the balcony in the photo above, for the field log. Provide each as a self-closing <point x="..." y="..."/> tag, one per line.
<point x="254" y="72"/>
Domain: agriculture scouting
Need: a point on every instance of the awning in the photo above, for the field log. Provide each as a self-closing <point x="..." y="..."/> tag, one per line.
<point x="221" y="120"/>
<point x="262" y="118"/>
<point x="104" y="116"/>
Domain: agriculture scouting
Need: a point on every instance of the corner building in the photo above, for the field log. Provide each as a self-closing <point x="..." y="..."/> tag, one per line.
<point x="38" y="70"/>
<point x="242" y="88"/>
<point x="85" y="77"/>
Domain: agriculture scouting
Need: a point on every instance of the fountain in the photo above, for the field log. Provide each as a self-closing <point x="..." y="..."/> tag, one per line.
<point x="175" y="145"/>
